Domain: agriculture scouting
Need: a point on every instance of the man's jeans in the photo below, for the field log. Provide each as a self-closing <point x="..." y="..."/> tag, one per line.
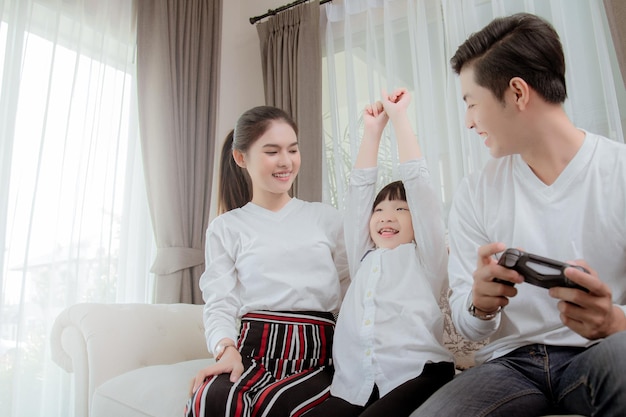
<point x="536" y="380"/>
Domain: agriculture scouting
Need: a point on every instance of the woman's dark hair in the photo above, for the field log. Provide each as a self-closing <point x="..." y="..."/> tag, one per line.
<point x="235" y="187"/>
<point x="234" y="182"/>
<point x="392" y="191"/>
<point x="522" y="45"/>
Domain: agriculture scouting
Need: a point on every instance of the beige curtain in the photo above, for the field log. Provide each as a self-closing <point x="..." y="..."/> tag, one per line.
<point x="616" y="14"/>
<point x="292" y="75"/>
<point x="177" y="73"/>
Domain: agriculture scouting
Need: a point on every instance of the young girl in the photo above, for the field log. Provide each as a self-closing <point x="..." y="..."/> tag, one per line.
<point x="278" y="265"/>
<point x="388" y="352"/>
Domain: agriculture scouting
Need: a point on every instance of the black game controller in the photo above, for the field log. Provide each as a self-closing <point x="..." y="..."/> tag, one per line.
<point x="538" y="270"/>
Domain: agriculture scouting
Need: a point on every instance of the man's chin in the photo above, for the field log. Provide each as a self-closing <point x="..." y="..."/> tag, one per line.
<point x="497" y="153"/>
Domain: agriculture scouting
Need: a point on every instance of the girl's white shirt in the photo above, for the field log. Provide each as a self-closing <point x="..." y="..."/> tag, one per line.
<point x="257" y="259"/>
<point x="390" y="324"/>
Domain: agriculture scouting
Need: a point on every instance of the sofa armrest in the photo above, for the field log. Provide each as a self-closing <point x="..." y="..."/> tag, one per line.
<point x="100" y="341"/>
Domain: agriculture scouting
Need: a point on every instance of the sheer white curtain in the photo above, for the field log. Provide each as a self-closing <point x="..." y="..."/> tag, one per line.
<point x="374" y="44"/>
<point x="74" y="223"/>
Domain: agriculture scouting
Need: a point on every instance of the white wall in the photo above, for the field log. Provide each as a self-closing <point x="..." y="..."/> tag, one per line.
<point x="241" y="77"/>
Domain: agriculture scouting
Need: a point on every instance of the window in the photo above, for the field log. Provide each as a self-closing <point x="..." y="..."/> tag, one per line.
<point x="74" y="225"/>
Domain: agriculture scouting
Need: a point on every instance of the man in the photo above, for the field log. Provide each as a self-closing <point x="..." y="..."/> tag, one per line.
<point x="553" y="190"/>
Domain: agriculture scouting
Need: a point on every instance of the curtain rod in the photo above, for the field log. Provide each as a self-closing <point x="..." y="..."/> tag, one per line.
<point x="272" y="12"/>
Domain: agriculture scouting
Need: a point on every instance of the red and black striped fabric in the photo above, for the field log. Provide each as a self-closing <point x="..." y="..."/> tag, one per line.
<point x="287" y="359"/>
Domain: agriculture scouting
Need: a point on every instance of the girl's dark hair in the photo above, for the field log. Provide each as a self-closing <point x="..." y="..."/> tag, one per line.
<point x="522" y="45"/>
<point x="391" y="191"/>
<point x="235" y="186"/>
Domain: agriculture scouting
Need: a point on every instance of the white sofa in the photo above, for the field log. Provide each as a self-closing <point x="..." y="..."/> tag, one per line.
<point x="138" y="360"/>
<point x="130" y="360"/>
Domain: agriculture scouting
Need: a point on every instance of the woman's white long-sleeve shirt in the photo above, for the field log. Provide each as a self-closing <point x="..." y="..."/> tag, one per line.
<point x="390" y="324"/>
<point x="257" y="259"/>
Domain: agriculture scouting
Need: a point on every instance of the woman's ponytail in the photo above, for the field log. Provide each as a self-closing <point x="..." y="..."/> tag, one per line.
<point x="234" y="186"/>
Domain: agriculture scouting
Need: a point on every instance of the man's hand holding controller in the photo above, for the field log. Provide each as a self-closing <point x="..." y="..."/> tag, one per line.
<point x="538" y="270"/>
<point x="586" y="308"/>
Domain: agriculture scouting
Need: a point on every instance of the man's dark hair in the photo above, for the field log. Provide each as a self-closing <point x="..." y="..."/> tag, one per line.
<point x="522" y="45"/>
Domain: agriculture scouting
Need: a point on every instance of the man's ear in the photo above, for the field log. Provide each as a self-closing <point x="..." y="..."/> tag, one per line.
<point x="239" y="159"/>
<point x="520" y="90"/>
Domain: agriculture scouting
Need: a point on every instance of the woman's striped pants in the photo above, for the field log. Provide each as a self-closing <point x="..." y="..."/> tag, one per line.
<point x="287" y="359"/>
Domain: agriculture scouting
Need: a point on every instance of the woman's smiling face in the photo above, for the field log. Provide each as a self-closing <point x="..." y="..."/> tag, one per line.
<point x="272" y="161"/>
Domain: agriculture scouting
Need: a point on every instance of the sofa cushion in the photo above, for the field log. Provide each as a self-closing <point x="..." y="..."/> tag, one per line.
<point x="155" y="391"/>
<point x="462" y="348"/>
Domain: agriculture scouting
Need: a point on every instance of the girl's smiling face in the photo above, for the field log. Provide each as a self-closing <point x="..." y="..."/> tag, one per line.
<point x="391" y="224"/>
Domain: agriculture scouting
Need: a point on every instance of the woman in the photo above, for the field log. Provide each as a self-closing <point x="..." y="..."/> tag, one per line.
<point x="278" y="265"/>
